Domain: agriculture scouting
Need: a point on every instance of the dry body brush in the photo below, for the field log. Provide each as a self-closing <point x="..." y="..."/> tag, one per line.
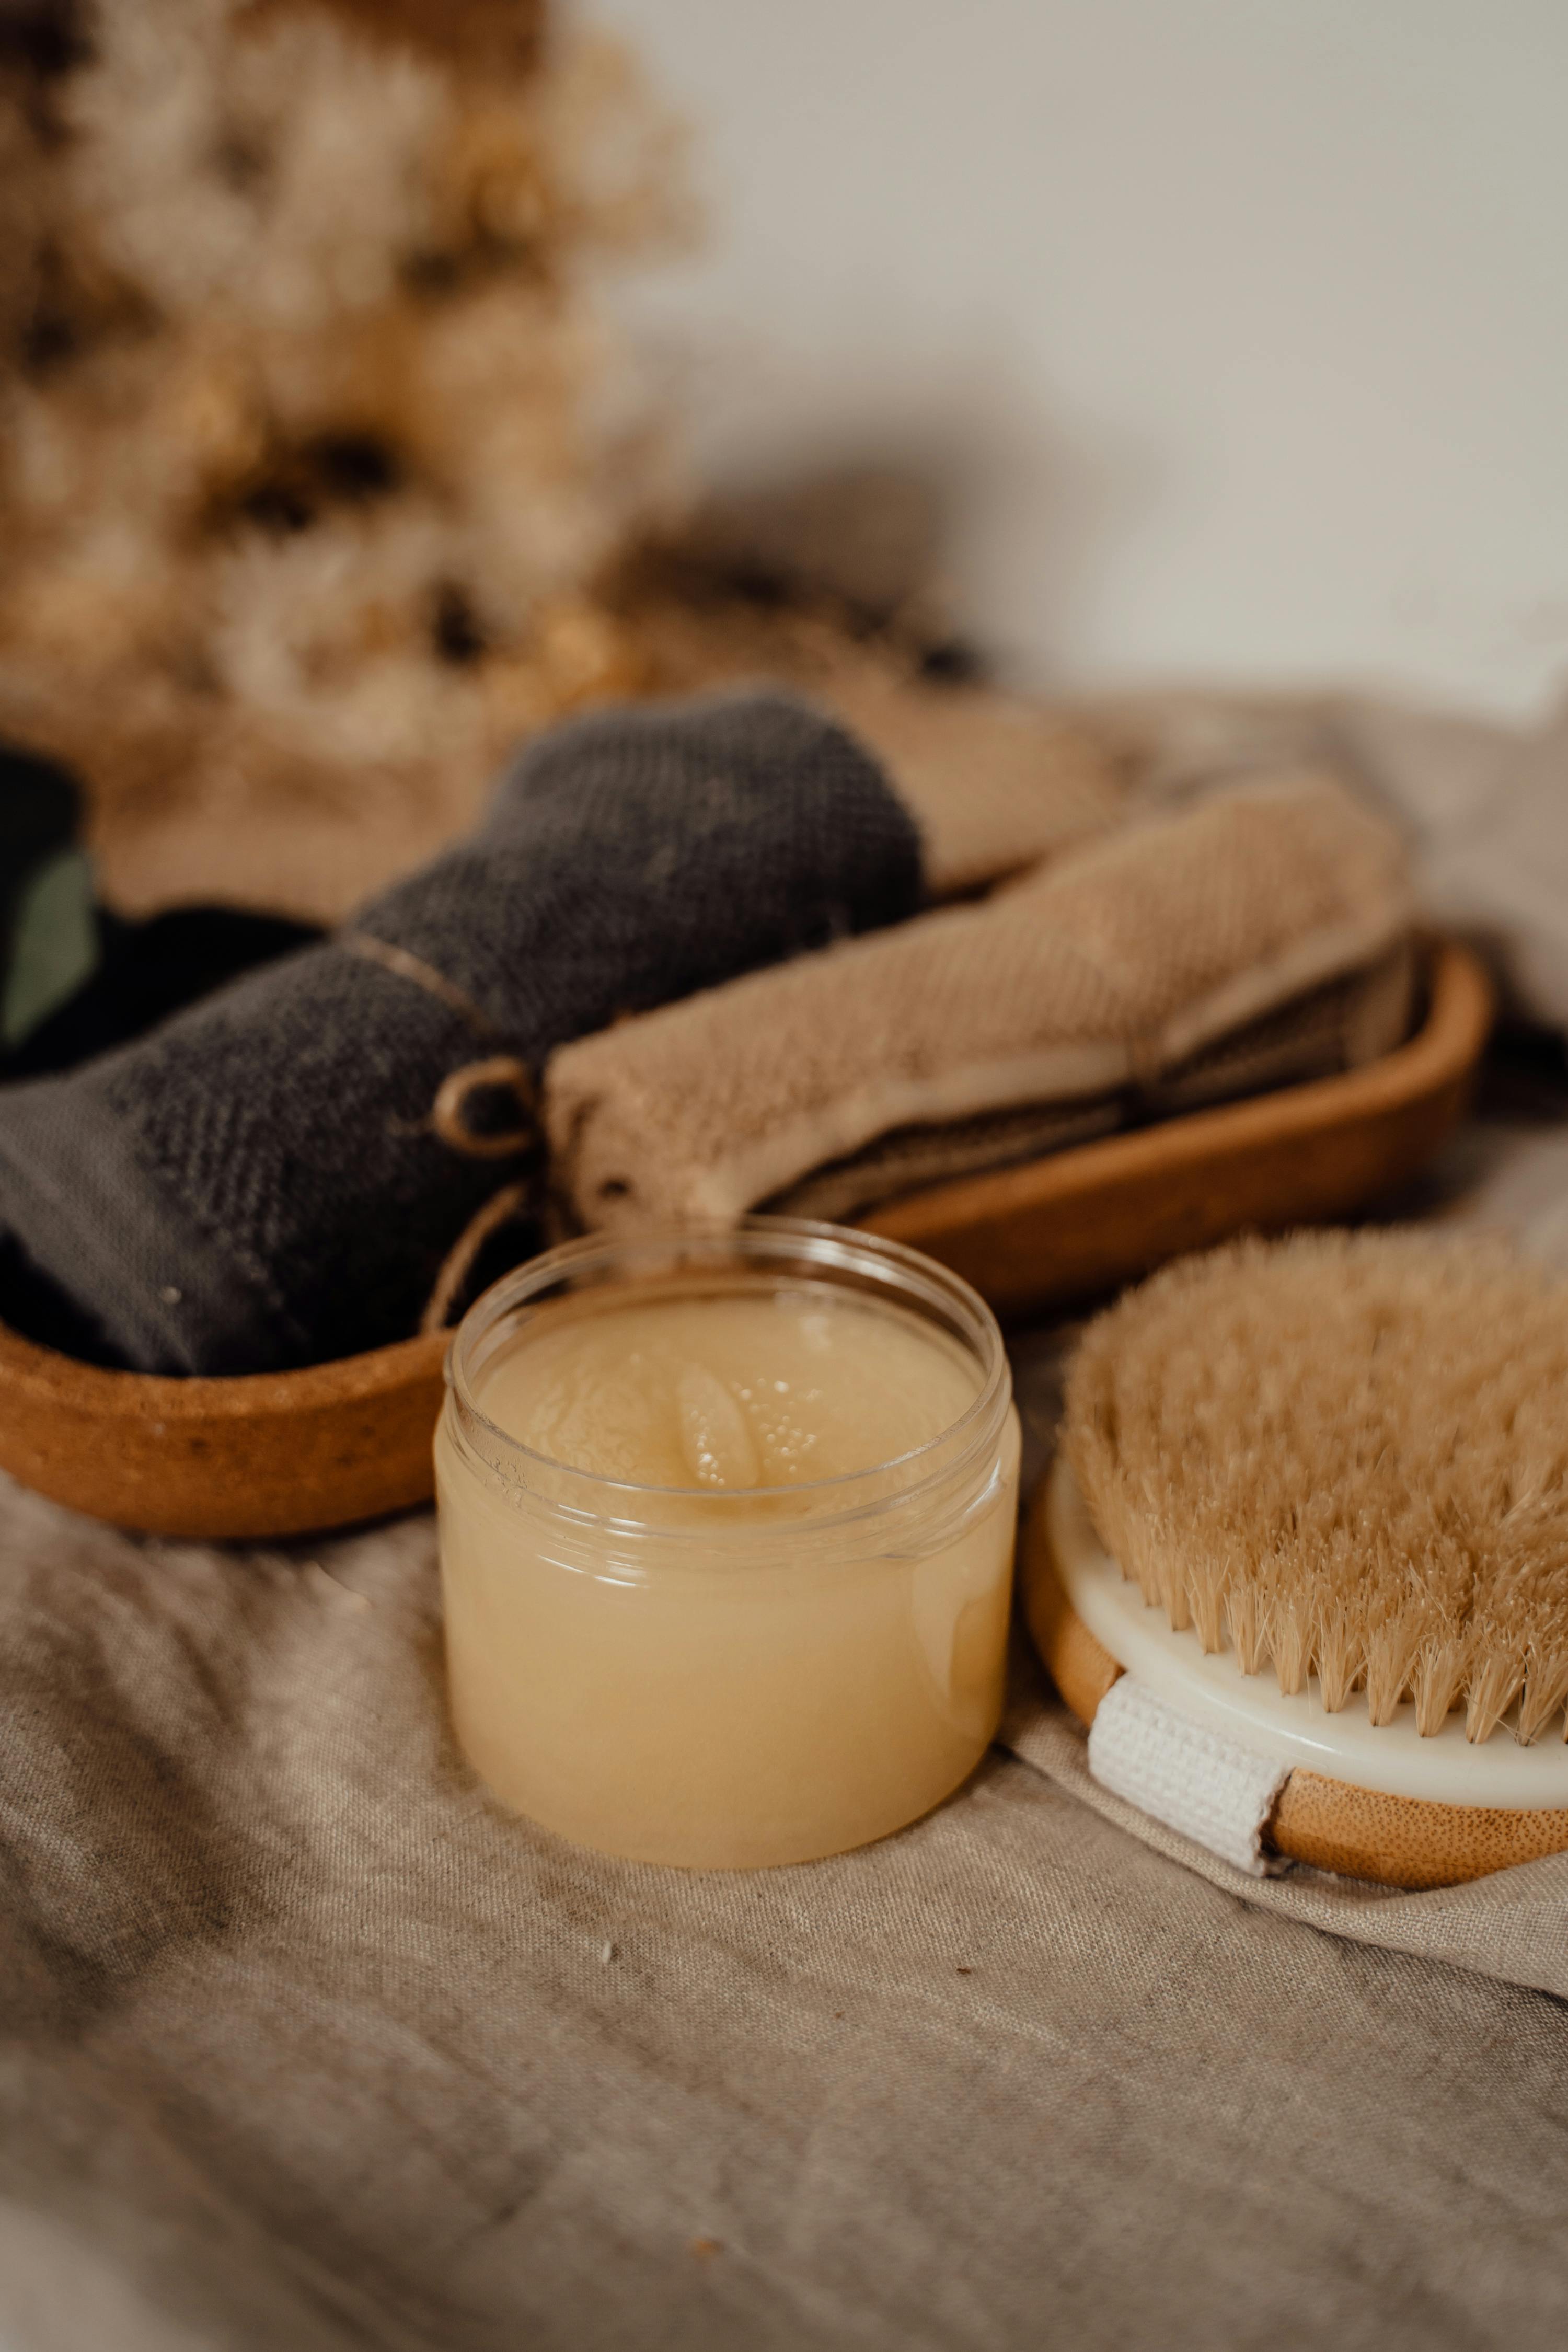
<point x="1346" y="1455"/>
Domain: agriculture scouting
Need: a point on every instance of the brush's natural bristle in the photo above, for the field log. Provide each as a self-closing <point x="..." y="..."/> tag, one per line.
<point x="1347" y="1454"/>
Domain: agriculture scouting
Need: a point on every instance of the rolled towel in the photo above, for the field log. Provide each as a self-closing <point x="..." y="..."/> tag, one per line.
<point x="1073" y="991"/>
<point x="278" y="1174"/>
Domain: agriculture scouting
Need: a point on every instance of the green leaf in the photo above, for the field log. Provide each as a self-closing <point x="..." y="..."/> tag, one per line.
<point x="54" y="944"/>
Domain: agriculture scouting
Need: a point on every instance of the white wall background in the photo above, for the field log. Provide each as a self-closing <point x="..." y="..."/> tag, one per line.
<point x="1241" y="326"/>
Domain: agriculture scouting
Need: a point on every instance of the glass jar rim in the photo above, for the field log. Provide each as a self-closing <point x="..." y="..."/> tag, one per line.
<point x="905" y="1274"/>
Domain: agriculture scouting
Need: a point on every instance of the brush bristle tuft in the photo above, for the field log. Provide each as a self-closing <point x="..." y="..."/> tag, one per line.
<point x="1345" y="1454"/>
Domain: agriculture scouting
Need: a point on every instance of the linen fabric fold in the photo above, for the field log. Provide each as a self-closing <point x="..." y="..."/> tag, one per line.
<point x="1080" y="991"/>
<point x="276" y="1175"/>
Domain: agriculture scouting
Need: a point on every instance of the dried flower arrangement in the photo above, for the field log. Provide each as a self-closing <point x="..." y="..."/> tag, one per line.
<point x="308" y="461"/>
<point x="319" y="481"/>
<point x="322" y="480"/>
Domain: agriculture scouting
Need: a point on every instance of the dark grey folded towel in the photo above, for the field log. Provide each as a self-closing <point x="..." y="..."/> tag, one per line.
<point x="277" y="1175"/>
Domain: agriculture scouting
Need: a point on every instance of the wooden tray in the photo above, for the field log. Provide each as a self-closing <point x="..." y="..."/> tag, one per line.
<point x="280" y="1453"/>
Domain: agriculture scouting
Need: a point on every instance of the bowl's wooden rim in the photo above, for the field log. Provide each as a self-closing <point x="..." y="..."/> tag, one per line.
<point x="1360" y="1833"/>
<point x="43" y="1375"/>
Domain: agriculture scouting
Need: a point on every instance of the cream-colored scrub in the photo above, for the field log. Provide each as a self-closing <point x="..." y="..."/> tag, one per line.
<point x="726" y="1541"/>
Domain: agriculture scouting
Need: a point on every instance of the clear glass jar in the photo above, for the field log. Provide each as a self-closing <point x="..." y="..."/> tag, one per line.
<point x="727" y="1679"/>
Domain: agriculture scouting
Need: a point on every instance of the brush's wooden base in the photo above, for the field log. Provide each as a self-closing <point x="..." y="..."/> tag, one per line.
<point x="1401" y="1840"/>
<point x="276" y="1453"/>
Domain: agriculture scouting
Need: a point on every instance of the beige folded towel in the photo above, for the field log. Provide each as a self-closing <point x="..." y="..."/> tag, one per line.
<point x="911" y="1159"/>
<point x="1339" y="1026"/>
<point x="1117" y="967"/>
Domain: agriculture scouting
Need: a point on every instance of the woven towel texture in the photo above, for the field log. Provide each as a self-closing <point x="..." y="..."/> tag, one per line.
<point x="1100" y="971"/>
<point x="1341" y="1026"/>
<point x="257" y="1183"/>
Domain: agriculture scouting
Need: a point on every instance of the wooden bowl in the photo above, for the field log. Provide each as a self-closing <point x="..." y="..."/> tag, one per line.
<point x="278" y="1453"/>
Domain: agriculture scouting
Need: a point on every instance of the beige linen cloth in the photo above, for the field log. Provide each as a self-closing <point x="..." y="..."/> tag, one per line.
<point x="305" y="2044"/>
<point x="308" y="2044"/>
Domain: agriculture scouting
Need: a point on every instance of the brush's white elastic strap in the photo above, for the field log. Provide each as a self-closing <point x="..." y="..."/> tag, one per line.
<point x="1193" y="1779"/>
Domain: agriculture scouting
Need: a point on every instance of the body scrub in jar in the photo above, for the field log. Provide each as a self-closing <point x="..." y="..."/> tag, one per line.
<point x="727" y="1527"/>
